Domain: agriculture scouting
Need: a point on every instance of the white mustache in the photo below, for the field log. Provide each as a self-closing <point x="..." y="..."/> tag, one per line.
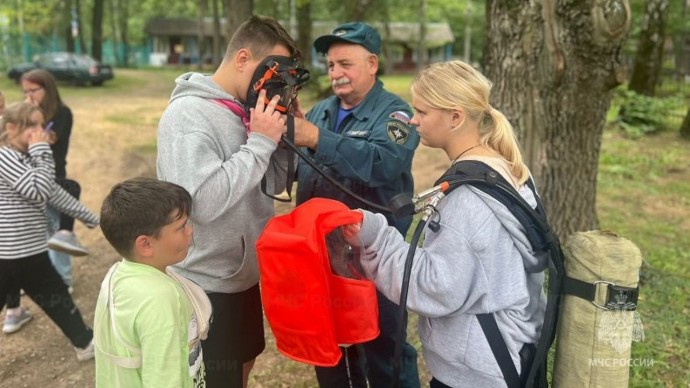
<point x="340" y="81"/>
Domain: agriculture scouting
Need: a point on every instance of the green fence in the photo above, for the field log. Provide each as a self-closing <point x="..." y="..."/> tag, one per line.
<point x="18" y="49"/>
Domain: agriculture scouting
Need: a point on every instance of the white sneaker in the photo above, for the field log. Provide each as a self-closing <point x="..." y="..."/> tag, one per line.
<point x="15" y="322"/>
<point x="66" y="241"/>
<point x="86" y="353"/>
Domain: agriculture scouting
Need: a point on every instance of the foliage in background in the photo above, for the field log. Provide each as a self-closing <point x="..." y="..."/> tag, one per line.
<point x="640" y="115"/>
<point x="44" y="21"/>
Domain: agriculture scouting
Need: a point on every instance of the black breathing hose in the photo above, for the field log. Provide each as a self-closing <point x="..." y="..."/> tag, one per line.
<point x="401" y="331"/>
<point x="332" y="180"/>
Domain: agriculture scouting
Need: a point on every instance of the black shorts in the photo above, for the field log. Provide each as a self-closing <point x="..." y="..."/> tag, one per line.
<point x="237" y="330"/>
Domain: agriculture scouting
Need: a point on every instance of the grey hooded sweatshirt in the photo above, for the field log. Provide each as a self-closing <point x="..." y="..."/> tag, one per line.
<point x="480" y="261"/>
<point x="205" y="148"/>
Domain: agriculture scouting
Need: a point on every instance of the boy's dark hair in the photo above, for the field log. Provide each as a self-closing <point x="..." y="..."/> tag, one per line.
<point x="141" y="206"/>
<point x="260" y="34"/>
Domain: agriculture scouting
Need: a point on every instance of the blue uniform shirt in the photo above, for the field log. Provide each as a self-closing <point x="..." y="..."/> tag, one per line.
<point x="371" y="153"/>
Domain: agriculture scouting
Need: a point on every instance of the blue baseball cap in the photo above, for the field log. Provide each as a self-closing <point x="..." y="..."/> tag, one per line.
<point x="356" y="32"/>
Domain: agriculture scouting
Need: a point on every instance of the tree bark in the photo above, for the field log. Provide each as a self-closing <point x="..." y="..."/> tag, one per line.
<point x="554" y="64"/>
<point x="97" y="30"/>
<point x="236" y="12"/>
<point x="650" y="49"/>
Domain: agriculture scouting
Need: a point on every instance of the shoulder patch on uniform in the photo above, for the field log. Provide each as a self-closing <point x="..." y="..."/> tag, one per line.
<point x="400" y="116"/>
<point x="398" y="131"/>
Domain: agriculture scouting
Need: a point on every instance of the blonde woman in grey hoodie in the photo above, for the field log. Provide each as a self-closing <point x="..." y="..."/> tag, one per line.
<point x="480" y="261"/>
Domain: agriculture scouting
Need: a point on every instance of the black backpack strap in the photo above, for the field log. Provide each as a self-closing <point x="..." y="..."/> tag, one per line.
<point x="290" y="164"/>
<point x="542" y="238"/>
<point x="499" y="349"/>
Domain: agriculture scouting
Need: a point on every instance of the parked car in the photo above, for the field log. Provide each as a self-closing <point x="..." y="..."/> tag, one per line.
<point x="77" y="68"/>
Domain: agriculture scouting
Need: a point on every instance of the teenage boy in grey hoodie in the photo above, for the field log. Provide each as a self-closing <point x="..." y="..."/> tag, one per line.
<point x="220" y="156"/>
<point x="480" y="260"/>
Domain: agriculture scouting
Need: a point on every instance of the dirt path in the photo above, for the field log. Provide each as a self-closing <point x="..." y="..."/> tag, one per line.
<point x="112" y="140"/>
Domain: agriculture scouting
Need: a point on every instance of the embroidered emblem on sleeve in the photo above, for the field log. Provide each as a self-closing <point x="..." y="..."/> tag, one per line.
<point x="398" y="127"/>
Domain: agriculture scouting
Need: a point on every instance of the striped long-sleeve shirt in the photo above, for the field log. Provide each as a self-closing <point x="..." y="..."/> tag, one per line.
<point x="27" y="185"/>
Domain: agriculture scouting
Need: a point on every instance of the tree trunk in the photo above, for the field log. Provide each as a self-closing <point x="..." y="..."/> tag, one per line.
<point x="97" y="30"/>
<point x="421" y="44"/>
<point x="201" y="37"/>
<point x="681" y="41"/>
<point x="114" y="32"/>
<point x="304" y="23"/>
<point x="80" y="29"/>
<point x="236" y="12"/>
<point x="123" y="11"/>
<point x="650" y="49"/>
<point x="554" y="64"/>
<point x="385" y="39"/>
<point x="67" y="26"/>
<point x="685" y="127"/>
<point x="217" y="35"/>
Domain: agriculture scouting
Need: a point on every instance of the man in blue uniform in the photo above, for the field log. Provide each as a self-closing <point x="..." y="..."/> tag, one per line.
<point x="361" y="136"/>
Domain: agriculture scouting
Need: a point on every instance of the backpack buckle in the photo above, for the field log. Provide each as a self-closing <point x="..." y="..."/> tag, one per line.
<point x="617" y="298"/>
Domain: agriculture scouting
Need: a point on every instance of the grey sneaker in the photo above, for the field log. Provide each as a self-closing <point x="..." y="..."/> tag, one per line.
<point x="66" y="241"/>
<point x="15" y="322"/>
<point x="85" y="353"/>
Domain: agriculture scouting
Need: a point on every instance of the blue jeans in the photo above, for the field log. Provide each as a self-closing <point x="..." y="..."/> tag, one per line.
<point x="373" y="360"/>
<point x="61" y="261"/>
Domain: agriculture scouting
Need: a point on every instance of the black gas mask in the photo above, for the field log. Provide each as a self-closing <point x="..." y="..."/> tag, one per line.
<point x="278" y="75"/>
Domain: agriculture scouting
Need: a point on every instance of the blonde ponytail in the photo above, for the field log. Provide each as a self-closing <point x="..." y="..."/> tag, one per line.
<point x="497" y="133"/>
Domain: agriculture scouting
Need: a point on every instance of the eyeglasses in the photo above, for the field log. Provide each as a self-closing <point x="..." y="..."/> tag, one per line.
<point x="32" y="91"/>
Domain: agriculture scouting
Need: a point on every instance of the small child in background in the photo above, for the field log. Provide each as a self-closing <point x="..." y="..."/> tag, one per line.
<point x="15" y="315"/>
<point x="27" y="186"/>
<point x="149" y="321"/>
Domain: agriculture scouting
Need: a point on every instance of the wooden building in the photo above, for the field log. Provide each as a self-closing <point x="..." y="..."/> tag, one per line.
<point x="176" y="41"/>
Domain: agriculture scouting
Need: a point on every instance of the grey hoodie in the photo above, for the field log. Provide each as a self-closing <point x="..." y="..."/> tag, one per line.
<point x="480" y="261"/>
<point x="204" y="147"/>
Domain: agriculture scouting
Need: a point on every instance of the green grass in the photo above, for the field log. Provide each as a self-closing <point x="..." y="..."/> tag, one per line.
<point x="644" y="195"/>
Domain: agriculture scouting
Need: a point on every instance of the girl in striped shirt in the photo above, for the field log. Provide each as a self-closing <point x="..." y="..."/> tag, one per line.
<point x="27" y="186"/>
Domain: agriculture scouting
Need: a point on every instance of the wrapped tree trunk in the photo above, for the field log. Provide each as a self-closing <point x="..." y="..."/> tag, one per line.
<point x="554" y="64"/>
